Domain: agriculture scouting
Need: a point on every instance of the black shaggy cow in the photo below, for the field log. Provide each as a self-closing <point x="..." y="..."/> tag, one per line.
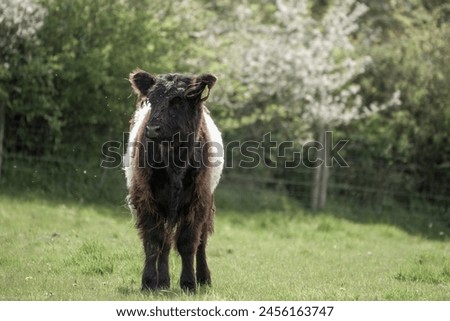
<point x="174" y="162"/>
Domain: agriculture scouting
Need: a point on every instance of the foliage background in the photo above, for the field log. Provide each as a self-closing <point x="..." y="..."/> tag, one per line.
<point x="63" y="93"/>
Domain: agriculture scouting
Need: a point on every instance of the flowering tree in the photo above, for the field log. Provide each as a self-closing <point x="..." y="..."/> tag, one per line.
<point x="19" y="21"/>
<point x="303" y="68"/>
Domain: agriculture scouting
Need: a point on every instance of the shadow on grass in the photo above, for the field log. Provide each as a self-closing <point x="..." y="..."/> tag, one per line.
<point x="421" y="219"/>
<point x="116" y="209"/>
<point x="426" y="220"/>
<point x="101" y="188"/>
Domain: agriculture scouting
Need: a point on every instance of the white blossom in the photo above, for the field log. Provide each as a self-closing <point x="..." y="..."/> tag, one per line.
<point x="306" y="65"/>
<point x="19" y="19"/>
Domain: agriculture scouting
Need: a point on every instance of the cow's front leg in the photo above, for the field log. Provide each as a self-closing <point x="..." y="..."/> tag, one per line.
<point x="156" y="247"/>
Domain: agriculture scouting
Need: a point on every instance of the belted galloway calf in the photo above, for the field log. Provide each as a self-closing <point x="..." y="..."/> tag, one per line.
<point x="173" y="164"/>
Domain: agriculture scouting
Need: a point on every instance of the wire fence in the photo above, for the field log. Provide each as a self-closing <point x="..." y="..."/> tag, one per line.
<point x="30" y="163"/>
<point x="86" y="179"/>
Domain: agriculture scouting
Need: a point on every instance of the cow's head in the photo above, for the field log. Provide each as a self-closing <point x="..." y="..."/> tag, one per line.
<point x="176" y="102"/>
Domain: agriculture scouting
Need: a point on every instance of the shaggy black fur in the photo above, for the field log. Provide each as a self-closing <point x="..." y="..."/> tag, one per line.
<point x="171" y="181"/>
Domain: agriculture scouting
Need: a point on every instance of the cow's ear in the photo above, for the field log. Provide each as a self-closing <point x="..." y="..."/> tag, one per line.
<point x="201" y="86"/>
<point x="208" y="79"/>
<point x="141" y="81"/>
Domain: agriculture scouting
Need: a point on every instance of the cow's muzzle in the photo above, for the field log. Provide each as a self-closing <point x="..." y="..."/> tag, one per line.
<point x="152" y="131"/>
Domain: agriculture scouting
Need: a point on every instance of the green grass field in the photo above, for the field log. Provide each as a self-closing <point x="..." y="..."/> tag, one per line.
<point x="274" y="250"/>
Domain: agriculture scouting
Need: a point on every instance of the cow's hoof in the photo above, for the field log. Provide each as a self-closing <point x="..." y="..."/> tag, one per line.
<point x="188" y="287"/>
<point x="204" y="281"/>
<point x="153" y="285"/>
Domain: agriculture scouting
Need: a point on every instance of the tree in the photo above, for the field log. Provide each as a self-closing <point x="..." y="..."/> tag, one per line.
<point x="299" y="71"/>
<point x="408" y="42"/>
<point x="19" y="22"/>
<point x="69" y="90"/>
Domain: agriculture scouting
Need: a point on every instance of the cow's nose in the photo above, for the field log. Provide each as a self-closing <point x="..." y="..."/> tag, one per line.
<point x="152" y="131"/>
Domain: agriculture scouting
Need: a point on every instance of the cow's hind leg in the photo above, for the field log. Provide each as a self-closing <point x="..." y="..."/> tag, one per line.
<point x="156" y="247"/>
<point x="203" y="273"/>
